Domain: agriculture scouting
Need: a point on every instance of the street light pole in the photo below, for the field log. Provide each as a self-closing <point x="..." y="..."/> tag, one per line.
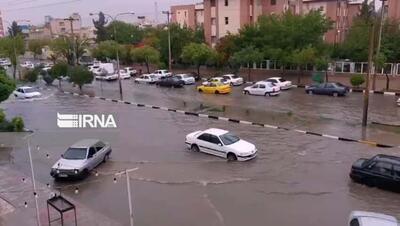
<point x="378" y="48"/>
<point x="71" y="21"/>
<point x="113" y="19"/>
<point x="168" y="13"/>
<point x="128" y="188"/>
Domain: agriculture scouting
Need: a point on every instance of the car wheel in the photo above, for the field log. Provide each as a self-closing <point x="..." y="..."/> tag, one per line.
<point x="231" y="84"/>
<point x="106" y="157"/>
<point x="310" y="92"/>
<point x="200" y="90"/>
<point x="335" y="94"/>
<point x="216" y="92"/>
<point x="194" y="148"/>
<point x="85" y="173"/>
<point x="15" y="95"/>
<point x="231" y="157"/>
<point x="246" y="92"/>
<point x="267" y="94"/>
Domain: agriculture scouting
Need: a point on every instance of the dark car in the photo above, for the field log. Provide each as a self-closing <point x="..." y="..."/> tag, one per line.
<point x="381" y="171"/>
<point x="330" y="88"/>
<point x="170" y="82"/>
<point x="195" y="76"/>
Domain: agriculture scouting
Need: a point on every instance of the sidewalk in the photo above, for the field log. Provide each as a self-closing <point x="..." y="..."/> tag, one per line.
<point x="14" y="192"/>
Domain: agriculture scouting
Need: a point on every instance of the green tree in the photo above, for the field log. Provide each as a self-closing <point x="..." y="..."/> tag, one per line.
<point x="14" y="30"/>
<point x="225" y="48"/>
<point x="126" y="33"/>
<point x="7" y="86"/>
<point x="147" y="55"/>
<point x="58" y="71"/>
<point x="198" y="55"/>
<point x="12" y="47"/>
<point x="36" y="46"/>
<point x="80" y="76"/>
<point x="301" y="58"/>
<point x="106" y="50"/>
<point x="247" y="56"/>
<point x="100" y="25"/>
<point x="64" y="46"/>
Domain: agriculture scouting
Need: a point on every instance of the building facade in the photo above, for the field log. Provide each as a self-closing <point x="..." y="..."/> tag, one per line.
<point x="228" y="16"/>
<point x="2" y="31"/>
<point x="188" y="15"/>
<point x="393" y="9"/>
<point x="62" y="27"/>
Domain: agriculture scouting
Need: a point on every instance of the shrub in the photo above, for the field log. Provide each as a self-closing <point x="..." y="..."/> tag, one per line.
<point x="6" y="126"/>
<point x="31" y="75"/>
<point x="357" y="80"/>
<point x="2" y="116"/>
<point x="7" y="86"/>
<point x="18" y="124"/>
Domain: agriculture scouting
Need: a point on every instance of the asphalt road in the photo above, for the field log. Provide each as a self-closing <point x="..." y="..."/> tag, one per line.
<point x="296" y="179"/>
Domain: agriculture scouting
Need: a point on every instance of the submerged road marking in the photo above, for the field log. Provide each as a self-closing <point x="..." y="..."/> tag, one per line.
<point x="372" y="143"/>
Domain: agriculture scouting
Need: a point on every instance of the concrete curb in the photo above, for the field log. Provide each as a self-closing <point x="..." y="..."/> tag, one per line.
<point x="371" y="143"/>
<point x="361" y="91"/>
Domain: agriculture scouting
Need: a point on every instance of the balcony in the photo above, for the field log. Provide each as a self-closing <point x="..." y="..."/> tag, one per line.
<point x="213" y="12"/>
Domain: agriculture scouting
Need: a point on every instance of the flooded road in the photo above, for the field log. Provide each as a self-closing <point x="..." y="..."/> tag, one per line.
<point x="296" y="179"/>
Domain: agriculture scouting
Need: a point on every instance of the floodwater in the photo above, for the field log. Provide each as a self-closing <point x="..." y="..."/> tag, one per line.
<point x="297" y="179"/>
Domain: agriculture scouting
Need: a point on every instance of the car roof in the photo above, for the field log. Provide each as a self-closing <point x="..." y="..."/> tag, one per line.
<point x="25" y="87"/>
<point x="85" y="143"/>
<point x="387" y="158"/>
<point x="264" y="82"/>
<point x="374" y="219"/>
<point x="275" y="78"/>
<point x="216" y="131"/>
<point x="229" y="75"/>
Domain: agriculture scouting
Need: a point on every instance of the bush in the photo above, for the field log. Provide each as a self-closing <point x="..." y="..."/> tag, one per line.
<point x="7" y="86"/>
<point x="6" y="126"/>
<point x="357" y="80"/>
<point x="18" y="124"/>
<point x="31" y="75"/>
<point x="2" y="116"/>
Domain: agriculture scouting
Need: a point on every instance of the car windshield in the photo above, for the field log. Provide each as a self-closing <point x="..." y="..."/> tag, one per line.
<point x="339" y="84"/>
<point x="235" y="76"/>
<point x="226" y="77"/>
<point x="75" y="153"/>
<point x="229" y="138"/>
<point x="29" y="90"/>
<point x="282" y="80"/>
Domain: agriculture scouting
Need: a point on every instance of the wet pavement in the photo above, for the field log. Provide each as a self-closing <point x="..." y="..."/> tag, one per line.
<point x="296" y="179"/>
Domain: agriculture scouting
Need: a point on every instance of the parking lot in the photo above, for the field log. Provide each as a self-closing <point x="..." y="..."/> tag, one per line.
<point x="302" y="177"/>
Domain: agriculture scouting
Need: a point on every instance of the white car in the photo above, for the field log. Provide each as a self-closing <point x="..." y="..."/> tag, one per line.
<point x="161" y="74"/>
<point x="27" y="64"/>
<point x="222" y="144"/>
<point x="131" y="71"/>
<point x="362" y="218"/>
<point x="186" y="78"/>
<point x="398" y="102"/>
<point x="25" y="92"/>
<point x="282" y="83"/>
<point x="234" y="80"/>
<point x="107" y="77"/>
<point x="262" y="89"/>
<point x="80" y="159"/>
<point x="93" y="68"/>
<point x="216" y="80"/>
<point x="5" y="62"/>
<point x="146" y="79"/>
<point x="123" y="74"/>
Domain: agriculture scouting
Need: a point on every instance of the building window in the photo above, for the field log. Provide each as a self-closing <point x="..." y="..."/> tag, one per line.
<point x="63" y="29"/>
<point x="212" y="3"/>
<point x="62" y="24"/>
<point x="185" y="14"/>
<point x="226" y="20"/>
<point x="226" y="2"/>
<point x="213" y="21"/>
<point x="273" y="2"/>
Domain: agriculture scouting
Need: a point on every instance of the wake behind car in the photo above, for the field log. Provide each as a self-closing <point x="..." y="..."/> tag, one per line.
<point x="382" y="171"/>
<point x="221" y="143"/>
<point x="25" y="92"/>
<point x="363" y="218"/>
<point x="170" y="82"/>
<point x="233" y="80"/>
<point x="282" y="83"/>
<point x="214" y="88"/>
<point x="262" y="89"/>
<point x="330" y="88"/>
<point x="81" y="158"/>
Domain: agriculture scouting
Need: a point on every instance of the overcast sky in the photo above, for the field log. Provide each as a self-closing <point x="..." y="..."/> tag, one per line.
<point x="35" y="10"/>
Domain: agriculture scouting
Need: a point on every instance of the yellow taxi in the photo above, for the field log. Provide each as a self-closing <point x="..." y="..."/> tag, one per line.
<point x="214" y="88"/>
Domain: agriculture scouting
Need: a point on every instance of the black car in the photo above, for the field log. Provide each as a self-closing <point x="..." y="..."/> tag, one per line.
<point x="330" y="88"/>
<point x="381" y="171"/>
<point x="170" y="82"/>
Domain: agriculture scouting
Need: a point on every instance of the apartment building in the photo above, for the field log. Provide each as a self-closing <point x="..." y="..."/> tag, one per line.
<point x="393" y="9"/>
<point x="188" y="15"/>
<point x="2" y="32"/>
<point x="228" y="16"/>
<point x="61" y="27"/>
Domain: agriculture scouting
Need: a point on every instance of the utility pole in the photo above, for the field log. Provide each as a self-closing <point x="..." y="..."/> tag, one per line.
<point x="378" y="48"/>
<point x="128" y="188"/>
<point x="168" y="13"/>
<point x="71" y="21"/>
<point x="370" y="70"/>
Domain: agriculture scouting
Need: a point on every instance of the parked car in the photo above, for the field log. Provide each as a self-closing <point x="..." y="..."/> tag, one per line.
<point x="282" y="83"/>
<point x="107" y="77"/>
<point x="216" y="80"/>
<point x="5" y="62"/>
<point x="147" y="79"/>
<point x="25" y="92"/>
<point x="362" y="218"/>
<point x="233" y="80"/>
<point x="187" y="79"/>
<point x="214" y="88"/>
<point x="170" y="82"/>
<point x="381" y="171"/>
<point x="262" y="89"/>
<point x="398" y="102"/>
<point x="161" y="73"/>
<point x="27" y="64"/>
<point x="93" y="68"/>
<point x="81" y="158"/>
<point x="131" y="71"/>
<point x="123" y="74"/>
<point x="330" y="88"/>
<point x="221" y="143"/>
